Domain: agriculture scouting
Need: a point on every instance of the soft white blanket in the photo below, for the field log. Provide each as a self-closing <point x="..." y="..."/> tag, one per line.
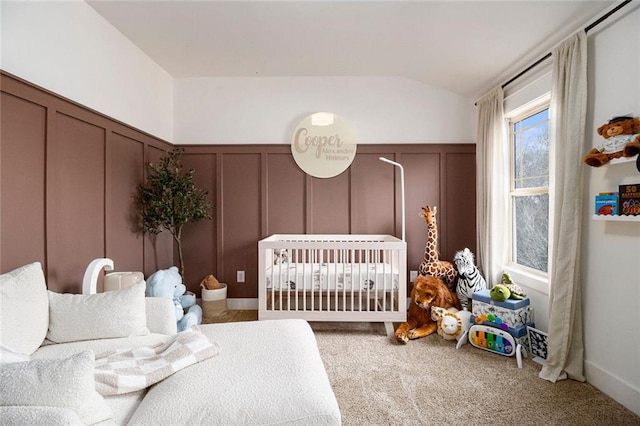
<point x="267" y="373"/>
<point x="129" y="370"/>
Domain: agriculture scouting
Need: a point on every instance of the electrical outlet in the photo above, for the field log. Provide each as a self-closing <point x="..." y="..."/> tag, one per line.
<point x="240" y="276"/>
<point x="413" y="275"/>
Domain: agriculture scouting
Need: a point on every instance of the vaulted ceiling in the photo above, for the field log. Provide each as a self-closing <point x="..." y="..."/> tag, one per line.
<point x="466" y="47"/>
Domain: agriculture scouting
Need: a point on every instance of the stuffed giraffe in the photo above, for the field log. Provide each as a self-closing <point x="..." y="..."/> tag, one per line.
<point x="431" y="264"/>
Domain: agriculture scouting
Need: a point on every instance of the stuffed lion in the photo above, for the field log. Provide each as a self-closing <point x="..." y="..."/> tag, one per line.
<point x="428" y="292"/>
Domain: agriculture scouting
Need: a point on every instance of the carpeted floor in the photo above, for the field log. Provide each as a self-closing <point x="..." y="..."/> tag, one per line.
<point x="380" y="382"/>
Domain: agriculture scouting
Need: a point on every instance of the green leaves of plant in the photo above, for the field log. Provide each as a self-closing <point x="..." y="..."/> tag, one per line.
<point x="169" y="199"/>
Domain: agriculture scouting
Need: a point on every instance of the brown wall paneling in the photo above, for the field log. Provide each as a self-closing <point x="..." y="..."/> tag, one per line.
<point x="77" y="185"/>
<point x="422" y="187"/>
<point x="285" y="195"/>
<point x="22" y="182"/>
<point x="328" y="209"/>
<point x="460" y="203"/>
<point x="124" y="173"/>
<point x="241" y="221"/>
<point x="76" y="197"/>
<point x="288" y="198"/>
<point x="258" y="191"/>
<point x="373" y="196"/>
<point x="199" y="239"/>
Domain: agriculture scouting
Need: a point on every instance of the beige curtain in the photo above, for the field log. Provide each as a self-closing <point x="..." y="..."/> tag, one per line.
<point x="567" y="119"/>
<point x="492" y="162"/>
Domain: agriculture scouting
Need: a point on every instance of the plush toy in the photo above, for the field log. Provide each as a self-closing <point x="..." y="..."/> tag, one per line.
<point x="499" y="292"/>
<point x="632" y="148"/>
<point x="449" y="325"/>
<point x="469" y="278"/>
<point x="502" y="292"/>
<point x="280" y="256"/>
<point x="452" y="323"/>
<point x="621" y="138"/>
<point x="516" y="292"/>
<point x="210" y="283"/>
<point x="428" y="292"/>
<point x="168" y="283"/>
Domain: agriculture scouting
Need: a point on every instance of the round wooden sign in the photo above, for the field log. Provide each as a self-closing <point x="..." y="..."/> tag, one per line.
<point x="322" y="145"/>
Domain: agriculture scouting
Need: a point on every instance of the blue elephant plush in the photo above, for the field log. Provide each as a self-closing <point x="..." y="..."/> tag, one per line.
<point x="168" y="283"/>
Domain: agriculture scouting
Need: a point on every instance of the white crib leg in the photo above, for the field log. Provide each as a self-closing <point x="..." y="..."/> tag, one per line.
<point x="388" y="326"/>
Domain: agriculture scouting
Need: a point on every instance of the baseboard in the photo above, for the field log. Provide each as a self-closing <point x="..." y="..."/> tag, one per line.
<point x="242" y="304"/>
<point x="613" y="386"/>
<point x="238" y="304"/>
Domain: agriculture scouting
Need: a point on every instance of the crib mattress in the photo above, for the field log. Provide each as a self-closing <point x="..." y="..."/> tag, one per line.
<point x="332" y="276"/>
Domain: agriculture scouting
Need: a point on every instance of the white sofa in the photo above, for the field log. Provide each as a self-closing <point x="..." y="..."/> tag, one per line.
<point x="267" y="372"/>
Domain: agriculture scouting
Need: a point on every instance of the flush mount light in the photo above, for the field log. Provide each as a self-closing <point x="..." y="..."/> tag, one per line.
<point x="322" y="119"/>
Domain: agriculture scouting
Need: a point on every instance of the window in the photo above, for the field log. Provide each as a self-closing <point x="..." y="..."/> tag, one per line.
<point x="529" y="194"/>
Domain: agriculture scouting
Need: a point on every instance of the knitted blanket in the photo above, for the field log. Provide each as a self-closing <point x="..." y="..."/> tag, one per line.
<point x="129" y="370"/>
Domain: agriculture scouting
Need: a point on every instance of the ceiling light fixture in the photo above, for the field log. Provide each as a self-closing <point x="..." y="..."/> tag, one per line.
<point x="322" y="119"/>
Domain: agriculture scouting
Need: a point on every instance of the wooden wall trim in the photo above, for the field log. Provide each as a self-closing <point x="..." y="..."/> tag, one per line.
<point x="57" y="264"/>
<point x="446" y="177"/>
<point x="12" y="83"/>
<point x="257" y="190"/>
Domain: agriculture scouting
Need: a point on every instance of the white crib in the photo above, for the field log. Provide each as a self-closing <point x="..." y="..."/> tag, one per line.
<point x="333" y="278"/>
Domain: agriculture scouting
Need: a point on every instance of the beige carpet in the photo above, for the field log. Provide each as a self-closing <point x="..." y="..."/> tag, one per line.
<point x="426" y="382"/>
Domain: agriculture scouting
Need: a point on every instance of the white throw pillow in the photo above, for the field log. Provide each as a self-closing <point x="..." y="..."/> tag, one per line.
<point x="24" y="309"/>
<point x="67" y="383"/>
<point x="74" y="317"/>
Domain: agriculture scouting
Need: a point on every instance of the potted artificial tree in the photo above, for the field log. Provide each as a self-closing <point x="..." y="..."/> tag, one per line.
<point x="169" y="200"/>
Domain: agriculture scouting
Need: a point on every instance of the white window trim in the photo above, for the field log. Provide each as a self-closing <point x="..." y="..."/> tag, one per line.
<point x="534" y="104"/>
<point x="522" y="275"/>
<point x="528" y="277"/>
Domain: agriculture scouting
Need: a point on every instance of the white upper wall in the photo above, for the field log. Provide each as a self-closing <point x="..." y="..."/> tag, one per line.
<point x="610" y="250"/>
<point x="68" y="48"/>
<point x="257" y="110"/>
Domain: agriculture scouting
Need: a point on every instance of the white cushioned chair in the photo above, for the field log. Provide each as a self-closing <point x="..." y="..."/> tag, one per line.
<point x="267" y="372"/>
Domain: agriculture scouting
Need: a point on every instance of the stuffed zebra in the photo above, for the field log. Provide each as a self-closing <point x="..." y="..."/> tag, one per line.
<point x="469" y="278"/>
<point x="280" y="256"/>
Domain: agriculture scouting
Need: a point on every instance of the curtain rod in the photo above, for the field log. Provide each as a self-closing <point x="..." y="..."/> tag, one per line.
<point x="548" y="55"/>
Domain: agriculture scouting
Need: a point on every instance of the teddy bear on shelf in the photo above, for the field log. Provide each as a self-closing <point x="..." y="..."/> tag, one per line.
<point x="621" y="139"/>
<point x="168" y="283"/>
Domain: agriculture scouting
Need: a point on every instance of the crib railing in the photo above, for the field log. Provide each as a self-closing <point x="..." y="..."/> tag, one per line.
<point x="332" y="278"/>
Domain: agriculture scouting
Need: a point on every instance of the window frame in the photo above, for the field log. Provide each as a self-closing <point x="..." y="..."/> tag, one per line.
<point x="527" y="276"/>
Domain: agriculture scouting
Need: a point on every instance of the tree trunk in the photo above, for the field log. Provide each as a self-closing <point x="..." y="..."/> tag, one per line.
<point x="180" y="257"/>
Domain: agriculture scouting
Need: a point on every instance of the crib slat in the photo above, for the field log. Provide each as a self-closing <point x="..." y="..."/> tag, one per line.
<point x="354" y="280"/>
